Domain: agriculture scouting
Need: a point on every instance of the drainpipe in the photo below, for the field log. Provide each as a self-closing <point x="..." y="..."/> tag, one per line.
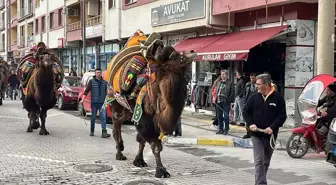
<point x="119" y="20"/>
<point x="48" y="28"/>
<point x="84" y="34"/>
<point x="266" y="11"/>
<point x="102" y="15"/>
<point x="65" y="24"/>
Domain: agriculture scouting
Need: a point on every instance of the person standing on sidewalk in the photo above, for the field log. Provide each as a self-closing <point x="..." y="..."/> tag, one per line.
<point x="239" y="100"/>
<point x="249" y="89"/>
<point x="224" y="95"/>
<point x="98" y="87"/>
<point x="265" y="110"/>
<point x="13" y="84"/>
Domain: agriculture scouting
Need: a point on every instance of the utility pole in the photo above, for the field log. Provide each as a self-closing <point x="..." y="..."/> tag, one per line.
<point x="325" y="32"/>
<point x="84" y="35"/>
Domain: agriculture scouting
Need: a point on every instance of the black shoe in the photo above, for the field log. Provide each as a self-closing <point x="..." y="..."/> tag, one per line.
<point x="225" y="132"/>
<point x="177" y="135"/>
<point x="92" y="132"/>
<point x="233" y="123"/>
<point x="246" y="136"/>
<point x="105" y="134"/>
<point x="220" y="132"/>
<point x="242" y="124"/>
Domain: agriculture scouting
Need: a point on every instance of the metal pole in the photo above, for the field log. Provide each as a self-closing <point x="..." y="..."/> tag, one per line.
<point x="325" y="31"/>
<point x="84" y="35"/>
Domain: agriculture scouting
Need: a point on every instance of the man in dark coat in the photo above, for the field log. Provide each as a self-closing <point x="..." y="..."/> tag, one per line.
<point x="265" y="110"/>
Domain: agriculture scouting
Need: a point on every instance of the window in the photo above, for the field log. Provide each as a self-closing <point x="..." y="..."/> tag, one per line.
<point x="111" y="4"/>
<point x="3" y="41"/>
<point x="36" y="26"/>
<point x="43" y="24"/>
<point x="60" y="17"/>
<point x="130" y="1"/>
<point x="51" y="20"/>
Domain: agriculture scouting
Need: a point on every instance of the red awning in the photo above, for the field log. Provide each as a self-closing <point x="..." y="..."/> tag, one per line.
<point x="196" y="43"/>
<point x="233" y="46"/>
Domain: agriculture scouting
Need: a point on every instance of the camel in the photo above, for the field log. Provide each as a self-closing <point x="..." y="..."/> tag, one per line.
<point x="40" y="88"/>
<point x="4" y="72"/>
<point x="162" y="106"/>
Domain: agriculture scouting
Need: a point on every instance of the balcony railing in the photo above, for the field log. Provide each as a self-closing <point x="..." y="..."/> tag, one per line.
<point x="22" y="41"/>
<point x="13" y="42"/>
<point x="2" y="46"/>
<point x="94" y="21"/>
<point x="74" y="26"/>
<point x="26" y="11"/>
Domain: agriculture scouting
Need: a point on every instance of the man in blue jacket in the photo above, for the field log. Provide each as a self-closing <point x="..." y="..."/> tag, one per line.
<point x="265" y="110"/>
<point x="98" y="87"/>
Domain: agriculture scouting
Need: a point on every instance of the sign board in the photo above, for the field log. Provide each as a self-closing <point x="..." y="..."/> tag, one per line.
<point x="178" y="12"/>
<point x="223" y="56"/>
<point x="94" y="31"/>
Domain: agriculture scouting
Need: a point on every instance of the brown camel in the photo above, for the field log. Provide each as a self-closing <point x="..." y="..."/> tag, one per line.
<point x="40" y="92"/>
<point x="4" y="72"/>
<point x="163" y="105"/>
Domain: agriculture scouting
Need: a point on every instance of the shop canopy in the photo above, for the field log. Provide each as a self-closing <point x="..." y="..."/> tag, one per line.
<point x="233" y="46"/>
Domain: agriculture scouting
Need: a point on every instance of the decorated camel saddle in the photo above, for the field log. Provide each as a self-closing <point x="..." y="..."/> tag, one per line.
<point x="27" y="64"/>
<point x="4" y="70"/>
<point x="133" y="67"/>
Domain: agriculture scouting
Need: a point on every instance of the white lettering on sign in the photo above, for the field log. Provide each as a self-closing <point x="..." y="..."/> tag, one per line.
<point x="179" y="7"/>
<point x="212" y="57"/>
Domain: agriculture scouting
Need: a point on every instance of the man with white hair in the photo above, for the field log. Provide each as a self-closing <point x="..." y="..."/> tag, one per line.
<point x="265" y="110"/>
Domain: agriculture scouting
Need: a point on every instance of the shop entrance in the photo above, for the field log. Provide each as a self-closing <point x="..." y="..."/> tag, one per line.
<point x="268" y="57"/>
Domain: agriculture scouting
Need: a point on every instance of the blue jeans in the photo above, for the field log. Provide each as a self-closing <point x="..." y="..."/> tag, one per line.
<point x="223" y="109"/>
<point x="102" y="115"/>
<point x="238" y="109"/>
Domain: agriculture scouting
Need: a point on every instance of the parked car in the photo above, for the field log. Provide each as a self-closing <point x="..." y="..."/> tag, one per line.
<point x="67" y="94"/>
<point x="85" y="107"/>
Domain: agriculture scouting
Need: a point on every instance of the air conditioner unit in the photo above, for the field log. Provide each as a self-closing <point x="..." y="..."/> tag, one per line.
<point x="72" y="12"/>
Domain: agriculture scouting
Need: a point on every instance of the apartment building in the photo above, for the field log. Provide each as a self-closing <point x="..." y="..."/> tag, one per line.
<point x="3" y="28"/>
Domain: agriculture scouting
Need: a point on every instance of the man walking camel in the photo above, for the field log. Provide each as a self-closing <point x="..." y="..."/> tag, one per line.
<point x="265" y="110"/>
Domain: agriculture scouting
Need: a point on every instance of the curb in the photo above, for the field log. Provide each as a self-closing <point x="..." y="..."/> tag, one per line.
<point x="234" y="142"/>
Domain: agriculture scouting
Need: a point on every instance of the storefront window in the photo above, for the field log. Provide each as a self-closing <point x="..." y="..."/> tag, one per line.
<point x="115" y="48"/>
<point x="65" y="63"/>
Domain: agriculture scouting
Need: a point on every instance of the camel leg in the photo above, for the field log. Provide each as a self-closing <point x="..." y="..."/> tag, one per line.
<point x="33" y="109"/>
<point x="161" y="171"/>
<point x="43" y="117"/>
<point x="139" y="160"/>
<point x="118" y="139"/>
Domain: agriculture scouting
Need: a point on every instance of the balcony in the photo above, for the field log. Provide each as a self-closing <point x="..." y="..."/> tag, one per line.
<point x="26" y="12"/>
<point x="74" y="26"/>
<point x="22" y="41"/>
<point x="2" y="25"/>
<point x="94" y="21"/>
<point x="2" y="4"/>
<point x="2" y="46"/>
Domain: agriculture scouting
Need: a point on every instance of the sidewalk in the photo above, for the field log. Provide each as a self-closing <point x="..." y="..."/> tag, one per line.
<point x="197" y="129"/>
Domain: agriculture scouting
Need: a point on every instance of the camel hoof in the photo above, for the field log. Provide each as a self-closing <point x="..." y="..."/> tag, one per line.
<point x="44" y="132"/>
<point x="120" y="157"/>
<point x="35" y="125"/>
<point x="161" y="172"/>
<point x="138" y="162"/>
<point x="29" y="129"/>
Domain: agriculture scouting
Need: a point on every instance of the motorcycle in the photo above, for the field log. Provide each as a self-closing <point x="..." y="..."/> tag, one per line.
<point x="308" y="135"/>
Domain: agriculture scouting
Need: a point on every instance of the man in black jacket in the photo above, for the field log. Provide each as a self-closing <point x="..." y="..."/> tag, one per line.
<point x="13" y="83"/>
<point x="265" y="110"/>
<point x="239" y="100"/>
<point x="249" y="89"/>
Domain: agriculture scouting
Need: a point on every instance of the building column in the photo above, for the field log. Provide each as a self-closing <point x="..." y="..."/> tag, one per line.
<point x="325" y="31"/>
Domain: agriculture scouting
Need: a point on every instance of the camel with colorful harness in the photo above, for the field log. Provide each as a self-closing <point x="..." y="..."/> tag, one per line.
<point x="4" y="72"/>
<point x="40" y="74"/>
<point x="148" y="87"/>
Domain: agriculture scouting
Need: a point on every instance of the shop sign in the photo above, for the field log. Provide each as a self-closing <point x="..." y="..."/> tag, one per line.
<point x="214" y="57"/>
<point x="94" y="31"/>
<point x="178" y="12"/>
<point x="60" y="42"/>
<point x="173" y="40"/>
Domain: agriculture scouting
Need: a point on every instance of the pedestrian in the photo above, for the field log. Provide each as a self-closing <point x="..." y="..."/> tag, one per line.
<point x="98" y="87"/>
<point x="223" y="97"/>
<point x="215" y="79"/>
<point x="13" y="84"/>
<point x="265" y="110"/>
<point x="239" y="100"/>
<point x="249" y="89"/>
<point x="72" y="72"/>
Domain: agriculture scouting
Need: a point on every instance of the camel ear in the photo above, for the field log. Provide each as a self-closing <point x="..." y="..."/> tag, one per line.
<point x="167" y="53"/>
